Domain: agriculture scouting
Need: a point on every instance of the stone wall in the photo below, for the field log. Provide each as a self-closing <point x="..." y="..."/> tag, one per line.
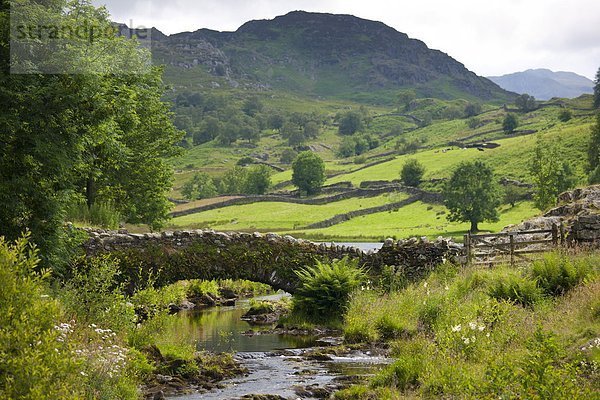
<point x="267" y="258"/>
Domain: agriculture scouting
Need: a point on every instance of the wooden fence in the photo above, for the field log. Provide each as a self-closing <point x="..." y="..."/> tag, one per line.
<point x="511" y="247"/>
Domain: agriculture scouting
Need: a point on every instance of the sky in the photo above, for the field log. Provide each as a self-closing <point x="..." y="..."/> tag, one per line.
<point x="490" y="37"/>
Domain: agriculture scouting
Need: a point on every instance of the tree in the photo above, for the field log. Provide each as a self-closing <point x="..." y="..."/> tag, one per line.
<point x="472" y="109"/>
<point x="510" y="123"/>
<point x="472" y="194"/>
<point x="210" y="129"/>
<point x="412" y="172"/>
<point x="308" y="172"/>
<point x="526" y="102"/>
<point x="404" y="97"/>
<point x="594" y="150"/>
<point x="201" y="186"/>
<point x="275" y="121"/>
<point x="565" y="115"/>
<point x="514" y="193"/>
<point x="252" y="106"/>
<point x="350" y="123"/>
<point x="288" y="156"/>
<point x="551" y="174"/>
<point x="597" y="90"/>
<point x="311" y="130"/>
<point x="233" y="181"/>
<point x="258" y="180"/>
<point x="94" y="136"/>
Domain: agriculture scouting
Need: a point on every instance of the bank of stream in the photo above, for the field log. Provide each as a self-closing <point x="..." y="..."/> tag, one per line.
<point x="284" y="365"/>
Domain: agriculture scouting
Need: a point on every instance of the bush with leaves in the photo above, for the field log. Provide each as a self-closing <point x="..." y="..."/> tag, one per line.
<point x="558" y="273"/>
<point x="258" y="180"/>
<point x="308" y="172"/>
<point x="510" y="123"/>
<point x="201" y="186"/>
<point x="412" y="173"/>
<point x="325" y="288"/>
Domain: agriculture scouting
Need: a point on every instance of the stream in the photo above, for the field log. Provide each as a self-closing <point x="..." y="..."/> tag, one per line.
<point x="275" y="362"/>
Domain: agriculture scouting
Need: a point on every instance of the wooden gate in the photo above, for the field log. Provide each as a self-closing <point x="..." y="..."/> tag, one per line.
<point x="512" y="248"/>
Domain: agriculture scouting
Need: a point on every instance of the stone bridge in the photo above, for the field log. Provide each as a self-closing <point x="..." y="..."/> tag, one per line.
<point x="268" y="258"/>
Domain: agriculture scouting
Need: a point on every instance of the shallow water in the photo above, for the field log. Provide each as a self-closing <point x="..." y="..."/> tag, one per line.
<point x="274" y="361"/>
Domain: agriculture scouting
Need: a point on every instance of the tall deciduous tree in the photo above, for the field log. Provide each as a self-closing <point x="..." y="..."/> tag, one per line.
<point x="472" y="194"/>
<point x="597" y="90"/>
<point x="510" y="123"/>
<point x="308" y="172"/>
<point x="412" y="172"/>
<point x="551" y="174"/>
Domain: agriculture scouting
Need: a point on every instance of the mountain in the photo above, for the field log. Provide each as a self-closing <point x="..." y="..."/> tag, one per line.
<point x="544" y="84"/>
<point x="319" y="55"/>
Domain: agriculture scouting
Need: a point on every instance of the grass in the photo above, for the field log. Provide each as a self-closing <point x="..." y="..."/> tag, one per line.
<point x="452" y="337"/>
<point x="277" y="216"/>
<point x="417" y="219"/>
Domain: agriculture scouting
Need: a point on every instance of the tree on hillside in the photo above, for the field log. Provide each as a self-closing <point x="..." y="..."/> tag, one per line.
<point x="311" y="130"/>
<point x="404" y="97"/>
<point x="350" y="123"/>
<point x="233" y="181"/>
<point x="252" y="106"/>
<point x="526" y="102"/>
<point x="597" y="90"/>
<point x="472" y="109"/>
<point x="510" y="123"/>
<point x="551" y="174"/>
<point x="288" y="156"/>
<point x="594" y="152"/>
<point x="412" y="172"/>
<point x="308" y="172"/>
<point x="201" y="186"/>
<point x="472" y="194"/>
<point x="210" y="129"/>
<point x="258" y="180"/>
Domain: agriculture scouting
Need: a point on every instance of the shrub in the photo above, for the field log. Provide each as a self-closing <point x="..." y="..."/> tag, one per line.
<point x="558" y="273"/>
<point x="565" y="115"/>
<point x="402" y="374"/>
<point x="199" y="288"/>
<point x="512" y="286"/>
<point x="308" y="172"/>
<point x="412" y="173"/>
<point x="510" y="123"/>
<point x="325" y="288"/>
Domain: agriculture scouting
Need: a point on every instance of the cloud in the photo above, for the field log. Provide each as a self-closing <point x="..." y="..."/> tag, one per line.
<point x="491" y="38"/>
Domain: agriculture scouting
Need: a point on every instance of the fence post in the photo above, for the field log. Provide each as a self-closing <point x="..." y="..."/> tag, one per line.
<point x="467" y="244"/>
<point x="512" y="250"/>
<point x="555" y="235"/>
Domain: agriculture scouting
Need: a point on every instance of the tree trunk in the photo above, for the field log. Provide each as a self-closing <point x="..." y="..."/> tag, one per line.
<point x="474" y="227"/>
<point x="90" y="191"/>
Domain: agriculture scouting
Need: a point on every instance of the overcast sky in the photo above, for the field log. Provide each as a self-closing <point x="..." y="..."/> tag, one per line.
<point x="492" y="37"/>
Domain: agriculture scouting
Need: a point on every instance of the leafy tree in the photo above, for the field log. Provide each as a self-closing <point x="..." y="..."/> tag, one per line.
<point x="526" y="102"/>
<point x="404" y="98"/>
<point x="551" y="174"/>
<point x="308" y="172"/>
<point x="101" y="136"/>
<point x="258" y="180"/>
<point x="350" y="123"/>
<point x="594" y="151"/>
<point x="201" y="186"/>
<point x="288" y="156"/>
<point x="472" y="194"/>
<point x="565" y="115"/>
<point x="252" y="106"/>
<point x="311" y="130"/>
<point x="473" y="123"/>
<point x="248" y="130"/>
<point x="210" y="129"/>
<point x="597" y="90"/>
<point x="296" y="137"/>
<point x="510" y="123"/>
<point x="412" y="172"/>
<point x="472" y="109"/>
<point x="230" y="133"/>
<point x="233" y="181"/>
<point x="347" y="147"/>
<point x="275" y="121"/>
<point x="514" y="193"/>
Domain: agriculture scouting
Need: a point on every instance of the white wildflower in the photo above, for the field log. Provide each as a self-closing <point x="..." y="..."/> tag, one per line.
<point x="456" y="328"/>
<point x="473" y="325"/>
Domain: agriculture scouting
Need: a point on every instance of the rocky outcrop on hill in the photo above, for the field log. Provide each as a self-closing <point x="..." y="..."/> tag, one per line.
<point x="578" y="211"/>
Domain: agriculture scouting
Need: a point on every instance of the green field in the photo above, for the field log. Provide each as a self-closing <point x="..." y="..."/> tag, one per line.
<point x="277" y="217"/>
<point x="417" y="219"/>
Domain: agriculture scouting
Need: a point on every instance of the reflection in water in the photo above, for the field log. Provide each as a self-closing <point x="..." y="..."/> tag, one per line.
<point x="220" y="329"/>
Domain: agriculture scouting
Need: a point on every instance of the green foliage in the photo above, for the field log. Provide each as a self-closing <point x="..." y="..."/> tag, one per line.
<point x="288" y="156"/>
<point x="201" y="186"/>
<point x="350" y="123"/>
<point x="308" y="172"/>
<point x="233" y="181"/>
<point x="404" y="372"/>
<point x="513" y="286"/>
<point x="558" y="273"/>
<point x="551" y="174"/>
<point x="526" y="102"/>
<point x="472" y="109"/>
<point x="101" y="214"/>
<point x="565" y="115"/>
<point x="514" y="194"/>
<point x="412" y="172"/>
<point x="200" y="288"/>
<point x="473" y="122"/>
<point x="510" y="123"/>
<point x="597" y="90"/>
<point x="258" y="180"/>
<point x="93" y="294"/>
<point x="258" y="307"/>
<point x="472" y="194"/>
<point x="252" y="106"/>
<point x="593" y="151"/>
<point x="325" y="289"/>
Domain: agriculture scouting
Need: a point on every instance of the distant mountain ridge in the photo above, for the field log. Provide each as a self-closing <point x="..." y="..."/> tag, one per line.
<point x="322" y="55"/>
<point x="544" y="84"/>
